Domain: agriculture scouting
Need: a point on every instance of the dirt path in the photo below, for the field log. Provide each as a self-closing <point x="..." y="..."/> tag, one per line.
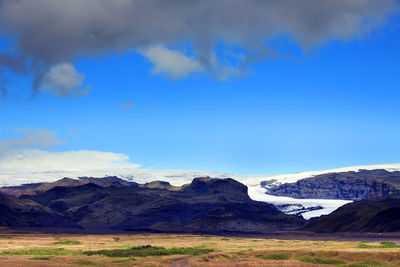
<point x="182" y="262"/>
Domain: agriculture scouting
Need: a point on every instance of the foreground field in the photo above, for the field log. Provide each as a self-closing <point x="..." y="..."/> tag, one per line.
<point x="188" y="250"/>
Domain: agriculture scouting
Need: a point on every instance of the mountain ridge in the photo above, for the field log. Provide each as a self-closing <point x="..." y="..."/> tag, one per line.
<point x="350" y="185"/>
<point x="205" y="205"/>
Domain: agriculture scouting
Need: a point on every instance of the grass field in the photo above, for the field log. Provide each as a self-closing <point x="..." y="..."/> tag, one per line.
<point x="188" y="250"/>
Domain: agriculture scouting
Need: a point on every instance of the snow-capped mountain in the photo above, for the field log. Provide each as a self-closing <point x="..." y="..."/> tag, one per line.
<point x="179" y="177"/>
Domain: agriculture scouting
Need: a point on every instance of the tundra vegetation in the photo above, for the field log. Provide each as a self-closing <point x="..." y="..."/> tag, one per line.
<point x="188" y="250"/>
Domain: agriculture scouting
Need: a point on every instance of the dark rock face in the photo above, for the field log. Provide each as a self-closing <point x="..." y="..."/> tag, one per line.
<point x="344" y="185"/>
<point x="206" y="205"/>
<point x="368" y="215"/>
<point x="16" y="212"/>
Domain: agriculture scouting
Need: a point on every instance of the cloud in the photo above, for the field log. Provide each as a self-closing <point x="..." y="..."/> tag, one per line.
<point x="128" y="105"/>
<point x="52" y="32"/>
<point x="35" y="160"/>
<point x="22" y="157"/>
<point x="172" y="63"/>
<point x="63" y="80"/>
<point x="32" y="138"/>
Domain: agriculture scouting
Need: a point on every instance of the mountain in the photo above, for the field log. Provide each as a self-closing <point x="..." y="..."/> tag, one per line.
<point x="368" y="215"/>
<point x="350" y="185"/>
<point x="176" y="178"/>
<point x="15" y="212"/>
<point x="205" y="205"/>
<point x="36" y="188"/>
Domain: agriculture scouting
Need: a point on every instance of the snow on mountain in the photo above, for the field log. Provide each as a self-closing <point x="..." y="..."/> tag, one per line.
<point x="180" y="177"/>
<point x="292" y="178"/>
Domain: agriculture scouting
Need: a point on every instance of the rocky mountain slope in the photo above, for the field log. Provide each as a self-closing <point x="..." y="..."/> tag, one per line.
<point x="15" y="212"/>
<point x="36" y="188"/>
<point x="206" y="205"/>
<point x="369" y="215"/>
<point x="343" y="185"/>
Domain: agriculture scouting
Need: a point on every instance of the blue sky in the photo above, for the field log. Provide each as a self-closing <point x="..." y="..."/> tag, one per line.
<point x="331" y="105"/>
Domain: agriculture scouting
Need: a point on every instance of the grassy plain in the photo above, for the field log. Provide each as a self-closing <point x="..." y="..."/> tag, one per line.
<point x="188" y="250"/>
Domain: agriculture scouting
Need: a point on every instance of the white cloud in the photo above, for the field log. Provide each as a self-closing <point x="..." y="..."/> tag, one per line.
<point x="64" y="80"/>
<point x="35" y="160"/>
<point x="172" y="63"/>
<point x="24" y="156"/>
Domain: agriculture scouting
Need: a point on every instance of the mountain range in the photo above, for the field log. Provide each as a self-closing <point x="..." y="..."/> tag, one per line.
<point x="205" y="205"/>
<point x="369" y="200"/>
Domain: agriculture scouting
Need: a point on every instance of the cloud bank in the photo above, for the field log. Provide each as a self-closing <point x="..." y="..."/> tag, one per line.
<point x="30" y="154"/>
<point x="48" y="33"/>
<point x="36" y="160"/>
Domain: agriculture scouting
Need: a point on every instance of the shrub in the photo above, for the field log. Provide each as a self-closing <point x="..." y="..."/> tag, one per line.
<point x="42" y="252"/>
<point x="83" y="262"/>
<point x="384" y="244"/>
<point x="315" y="260"/>
<point x="67" y="242"/>
<point x="387" y="244"/>
<point x="276" y="256"/>
<point x="41" y="258"/>
<point x="368" y="263"/>
<point x="143" y="251"/>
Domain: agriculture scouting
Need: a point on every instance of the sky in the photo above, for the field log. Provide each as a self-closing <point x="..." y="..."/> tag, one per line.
<point x="245" y="87"/>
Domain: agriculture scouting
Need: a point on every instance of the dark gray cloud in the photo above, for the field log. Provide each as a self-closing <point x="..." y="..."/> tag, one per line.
<point x="51" y="32"/>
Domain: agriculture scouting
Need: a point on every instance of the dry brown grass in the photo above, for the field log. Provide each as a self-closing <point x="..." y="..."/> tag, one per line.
<point x="228" y="251"/>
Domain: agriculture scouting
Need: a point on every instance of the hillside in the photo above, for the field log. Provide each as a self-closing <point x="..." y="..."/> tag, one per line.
<point x="36" y="188"/>
<point x="369" y="215"/>
<point x="15" y="212"/>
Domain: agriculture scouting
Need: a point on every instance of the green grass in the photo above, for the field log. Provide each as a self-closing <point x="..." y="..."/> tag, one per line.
<point x="363" y="245"/>
<point x="143" y="251"/>
<point x="225" y="239"/>
<point x="368" y="263"/>
<point x="83" y="262"/>
<point x="384" y="244"/>
<point x="276" y="256"/>
<point x="67" y="242"/>
<point x="41" y="258"/>
<point x="387" y="244"/>
<point x="43" y="252"/>
<point x="315" y="260"/>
